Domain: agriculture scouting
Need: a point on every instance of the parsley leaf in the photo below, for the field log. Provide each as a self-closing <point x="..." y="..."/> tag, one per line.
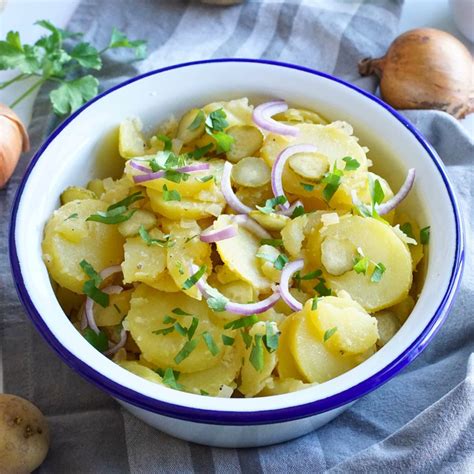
<point x="270" y="204"/>
<point x="186" y="350"/>
<point x="114" y="216"/>
<point x="307" y="187"/>
<point x="247" y="338"/>
<point x="198" y="120"/>
<point x="198" y="153"/>
<point x="99" y="341"/>
<point x="167" y="242"/>
<point x="164" y="331"/>
<point x="91" y="286"/>
<point x="271" y="337"/>
<point x="169" y="378"/>
<point x="314" y="304"/>
<point x="210" y="343"/>
<point x="180" y="312"/>
<point x="376" y="192"/>
<point x="256" y="354"/>
<point x="272" y="242"/>
<point x="329" y="333"/>
<point x="361" y="264"/>
<point x="351" y="163"/>
<point x="192" y="327"/>
<point x="168" y="144"/>
<point x="70" y="95"/>
<point x="407" y="229"/>
<point x="378" y="272"/>
<point x="172" y="195"/>
<point x="193" y="279"/>
<point x="321" y="288"/>
<point x="224" y="142"/>
<point x="309" y="276"/>
<point x="425" y="235"/>
<point x="227" y="340"/>
<point x="169" y="320"/>
<point x="280" y="261"/>
<point x="216" y="121"/>
<point x="242" y="322"/>
<point x="298" y="211"/>
<point x="216" y="300"/>
<point x="120" y="40"/>
<point x="332" y="181"/>
<point x="87" y="56"/>
<point x="138" y="196"/>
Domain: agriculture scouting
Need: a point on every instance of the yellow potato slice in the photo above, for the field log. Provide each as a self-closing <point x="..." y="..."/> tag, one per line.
<point x="165" y="283"/>
<point x="271" y="221"/>
<point x="118" y="308"/>
<point x="140" y="370"/>
<point x="238" y="253"/>
<point x="312" y="166"/>
<point x="148" y="309"/>
<point x="253" y="381"/>
<point x="145" y="263"/>
<point x="224" y="275"/>
<point x="404" y="308"/>
<point x="254" y="196"/>
<point x="266" y="256"/>
<point x="313" y="359"/>
<point x="251" y="172"/>
<point x="131" y="141"/>
<point x="300" y="116"/>
<point x="388" y="325"/>
<point x="238" y="111"/>
<point x="247" y="141"/>
<point x="187" y="134"/>
<point x="139" y="218"/>
<point x="280" y="386"/>
<point x="97" y="187"/>
<point x="100" y="244"/>
<point x="76" y="192"/>
<point x="287" y="368"/>
<point x="211" y="380"/>
<point x="415" y="250"/>
<point x="380" y="244"/>
<point x="343" y="325"/>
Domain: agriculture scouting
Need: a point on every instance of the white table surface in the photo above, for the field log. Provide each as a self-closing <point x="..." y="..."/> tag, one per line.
<point x="19" y="15"/>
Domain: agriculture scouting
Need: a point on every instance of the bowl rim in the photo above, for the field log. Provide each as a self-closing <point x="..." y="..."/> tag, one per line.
<point x="270" y="416"/>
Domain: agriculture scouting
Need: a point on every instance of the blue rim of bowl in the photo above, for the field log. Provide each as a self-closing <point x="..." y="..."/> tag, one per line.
<point x="244" y="417"/>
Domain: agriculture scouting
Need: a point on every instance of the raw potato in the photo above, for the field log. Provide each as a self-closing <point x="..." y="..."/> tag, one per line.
<point x="24" y="435"/>
<point x="149" y="307"/>
<point x="184" y="133"/>
<point x="76" y="192"/>
<point x="356" y="331"/>
<point x="100" y="244"/>
<point x="141" y="370"/>
<point x="313" y="359"/>
<point x="131" y="141"/>
<point x="251" y="172"/>
<point x="379" y="243"/>
<point x="139" y="218"/>
<point x="238" y="253"/>
<point x="247" y="141"/>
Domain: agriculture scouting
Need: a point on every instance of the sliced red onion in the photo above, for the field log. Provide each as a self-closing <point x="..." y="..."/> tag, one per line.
<point x="212" y="235"/>
<point x="106" y="272"/>
<point x="226" y="187"/>
<point x="135" y="165"/>
<point x="262" y="116"/>
<point x="286" y="274"/>
<point x="237" y="308"/>
<point x="159" y="174"/>
<point x="279" y="165"/>
<point x="123" y="339"/>
<point x="392" y="203"/>
<point x="89" y="308"/>
<point x="246" y="221"/>
<point x="288" y="212"/>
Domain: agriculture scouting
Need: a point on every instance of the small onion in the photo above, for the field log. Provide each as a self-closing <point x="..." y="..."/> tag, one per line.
<point x="246" y="221"/>
<point x="286" y="274"/>
<point x="392" y="203"/>
<point x="215" y="235"/>
<point x="279" y="165"/>
<point x="89" y="309"/>
<point x="123" y="339"/>
<point x="226" y="187"/>
<point x="262" y="116"/>
<point x="13" y="141"/>
<point x="159" y="174"/>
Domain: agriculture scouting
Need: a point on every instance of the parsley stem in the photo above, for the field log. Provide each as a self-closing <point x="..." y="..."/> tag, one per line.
<point x="20" y="77"/>
<point x="28" y="92"/>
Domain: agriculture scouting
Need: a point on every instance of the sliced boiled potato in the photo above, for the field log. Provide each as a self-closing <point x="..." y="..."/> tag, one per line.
<point x="76" y="192"/>
<point x="337" y="255"/>
<point x="142" y="371"/>
<point x="253" y="381"/>
<point x="116" y="190"/>
<point x="287" y="368"/>
<point x="312" y="357"/>
<point x="100" y="244"/>
<point x="191" y="126"/>
<point x="380" y="244"/>
<point x="388" y="325"/>
<point x="404" y="308"/>
<point x="118" y="308"/>
<point x="300" y="116"/>
<point x="311" y="166"/>
<point x="165" y="282"/>
<point x="131" y="140"/>
<point x="280" y="386"/>
<point x="210" y="381"/>
<point x="224" y="274"/>
<point x="238" y="111"/>
<point x="139" y="218"/>
<point x="343" y="325"/>
<point x="97" y="187"/>
<point x="247" y="141"/>
<point x="147" y="312"/>
<point x="416" y="250"/>
<point x="145" y="263"/>
<point x="238" y="253"/>
<point x="251" y="172"/>
<point x="186" y="208"/>
<point x="254" y="196"/>
<point x="266" y="256"/>
<point x="272" y="221"/>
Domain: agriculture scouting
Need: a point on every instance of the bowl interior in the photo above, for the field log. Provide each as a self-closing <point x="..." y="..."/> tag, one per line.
<point x="85" y="147"/>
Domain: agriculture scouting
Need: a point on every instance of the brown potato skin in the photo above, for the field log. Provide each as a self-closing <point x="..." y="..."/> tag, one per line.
<point x="24" y="435"/>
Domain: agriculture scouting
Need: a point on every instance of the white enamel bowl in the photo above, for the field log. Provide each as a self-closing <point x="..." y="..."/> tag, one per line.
<point x="67" y="158"/>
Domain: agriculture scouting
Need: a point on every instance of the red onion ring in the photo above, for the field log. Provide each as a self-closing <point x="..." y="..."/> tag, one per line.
<point x="212" y="235"/>
<point x="279" y="165"/>
<point x="392" y="203"/>
<point x="89" y="308"/>
<point x="159" y="174"/>
<point x="251" y="225"/>
<point x="106" y="272"/>
<point x="262" y="116"/>
<point x="135" y="165"/>
<point x="226" y="187"/>
<point x="238" y="308"/>
<point x="123" y="339"/>
<point x="288" y="212"/>
<point x="286" y="274"/>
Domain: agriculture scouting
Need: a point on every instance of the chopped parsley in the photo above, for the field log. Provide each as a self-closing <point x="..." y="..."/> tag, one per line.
<point x="166" y="141"/>
<point x="322" y="289"/>
<point x="172" y="195"/>
<point x="193" y="279"/>
<point x="169" y="378"/>
<point x="166" y="242"/>
<point x="113" y="216"/>
<point x="163" y="331"/>
<point x="270" y="204"/>
<point x="332" y="180"/>
<point x="242" y="322"/>
<point x="351" y="163"/>
<point x="180" y="329"/>
<point x="186" y="350"/>
<point x="307" y="187"/>
<point x="256" y="354"/>
<point x="128" y="201"/>
<point x="227" y="340"/>
<point x="180" y="312"/>
<point x="205" y="179"/>
<point x="407" y="229"/>
<point x="298" y="211"/>
<point x="169" y="320"/>
<point x="378" y="272"/>
<point x="75" y="215"/>
<point x="91" y="286"/>
<point x="99" y="341"/>
<point x="271" y="338"/>
<point x="376" y="192"/>
<point x="210" y="343"/>
<point x="314" y="304"/>
<point x="192" y="327"/>
<point x="329" y="333"/>
<point x="361" y="264"/>
<point x="203" y="392"/>
<point x="176" y="176"/>
<point x="280" y="261"/>
<point x="198" y="120"/>
<point x="215" y="124"/>
<point x="246" y="337"/>
<point x="425" y="235"/>
<point x="309" y="276"/>
<point x="272" y="242"/>
<point x="198" y="153"/>
<point x="224" y="142"/>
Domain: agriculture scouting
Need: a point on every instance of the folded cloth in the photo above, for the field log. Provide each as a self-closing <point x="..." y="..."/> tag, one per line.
<point x="420" y="421"/>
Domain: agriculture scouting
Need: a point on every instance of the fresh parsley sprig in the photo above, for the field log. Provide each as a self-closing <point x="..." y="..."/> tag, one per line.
<point x="52" y="59"/>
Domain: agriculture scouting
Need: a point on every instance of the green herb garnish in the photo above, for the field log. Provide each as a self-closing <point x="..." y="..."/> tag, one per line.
<point x="193" y="279"/>
<point x="227" y="340"/>
<point x="176" y="176"/>
<point x="280" y="261"/>
<point x="329" y="333"/>
<point x="168" y="144"/>
<point x="270" y="204"/>
<point x="351" y="163"/>
<point x="186" y="350"/>
<point x="256" y="354"/>
<point x="198" y="153"/>
<point x="197" y="121"/>
<point x="224" y="142"/>
<point x="99" y="341"/>
<point x="91" y="286"/>
<point x="163" y="331"/>
<point x="169" y="320"/>
<point x="180" y="329"/>
<point x="203" y="392"/>
<point x="180" y="312"/>
<point x="167" y="242"/>
<point x="216" y="121"/>
<point x="169" y="378"/>
<point x="309" y="276"/>
<point x="361" y="264"/>
<point x="210" y="343"/>
<point x="205" y="179"/>
<point x="246" y="337"/>
<point x="407" y="229"/>
<point x="114" y="216"/>
<point x="425" y="235"/>
<point x="307" y="187"/>
<point x="298" y="211"/>
<point x="332" y="181"/>
<point x="271" y="337"/>
<point x="272" y="242"/>
<point x="216" y="300"/>
<point x="172" y="195"/>
<point x="74" y="215"/>
<point x="314" y="304"/>
<point x="128" y="201"/>
<point x="378" y="272"/>
<point x="192" y="327"/>
<point x="242" y="322"/>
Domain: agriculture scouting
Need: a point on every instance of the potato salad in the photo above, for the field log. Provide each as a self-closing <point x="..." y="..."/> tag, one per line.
<point x="245" y="251"/>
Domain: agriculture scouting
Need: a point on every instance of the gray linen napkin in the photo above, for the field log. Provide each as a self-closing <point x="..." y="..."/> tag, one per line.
<point x="420" y="421"/>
